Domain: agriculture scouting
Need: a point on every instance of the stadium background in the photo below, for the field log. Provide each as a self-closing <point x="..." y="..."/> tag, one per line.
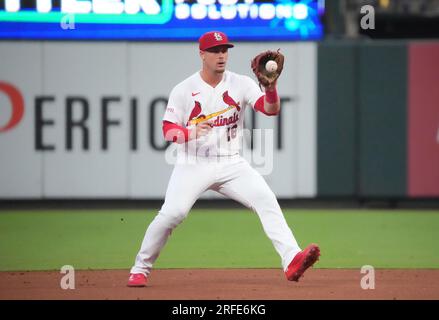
<point x="356" y="147"/>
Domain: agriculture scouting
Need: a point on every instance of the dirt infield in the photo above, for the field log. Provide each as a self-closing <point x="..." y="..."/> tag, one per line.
<point x="229" y="284"/>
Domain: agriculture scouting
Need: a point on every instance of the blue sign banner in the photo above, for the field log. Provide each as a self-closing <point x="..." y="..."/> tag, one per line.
<point x="161" y="20"/>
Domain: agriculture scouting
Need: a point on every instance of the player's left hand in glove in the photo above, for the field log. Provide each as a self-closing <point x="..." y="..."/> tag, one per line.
<point x="265" y="78"/>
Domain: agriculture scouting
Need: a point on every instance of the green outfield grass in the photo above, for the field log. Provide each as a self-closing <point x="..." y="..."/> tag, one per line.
<point x="103" y="239"/>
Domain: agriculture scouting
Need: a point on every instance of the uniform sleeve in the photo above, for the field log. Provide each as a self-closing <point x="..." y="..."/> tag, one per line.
<point x="253" y="92"/>
<point x="175" y="108"/>
<point x="175" y="133"/>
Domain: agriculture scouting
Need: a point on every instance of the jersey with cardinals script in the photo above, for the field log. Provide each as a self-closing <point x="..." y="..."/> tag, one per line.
<point x="193" y="101"/>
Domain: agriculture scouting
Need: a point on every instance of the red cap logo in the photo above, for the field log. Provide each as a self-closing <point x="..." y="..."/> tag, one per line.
<point x="17" y="104"/>
<point x="213" y="39"/>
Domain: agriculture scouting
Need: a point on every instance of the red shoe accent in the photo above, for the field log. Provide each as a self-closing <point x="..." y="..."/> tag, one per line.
<point x="302" y="261"/>
<point x="137" y="280"/>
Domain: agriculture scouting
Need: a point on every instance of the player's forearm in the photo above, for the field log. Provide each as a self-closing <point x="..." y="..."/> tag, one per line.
<point x="272" y="109"/>
<point x="269" y="104"/>
<point x="271" y="101"/>
<point x="175" y="133"/>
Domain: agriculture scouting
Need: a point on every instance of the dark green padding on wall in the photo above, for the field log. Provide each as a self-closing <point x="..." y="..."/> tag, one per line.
<point x="336" y="89"/>
<point x="382" y="119"/>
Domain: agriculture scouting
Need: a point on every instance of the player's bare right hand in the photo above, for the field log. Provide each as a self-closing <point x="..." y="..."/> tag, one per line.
<point x="202" y="129"/>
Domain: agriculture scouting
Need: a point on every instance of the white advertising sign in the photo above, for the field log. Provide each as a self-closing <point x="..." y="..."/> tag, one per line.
<point x="92" y="111"/>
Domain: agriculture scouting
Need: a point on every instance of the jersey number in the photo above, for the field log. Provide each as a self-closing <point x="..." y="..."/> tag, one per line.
<point x="231" y="132"/>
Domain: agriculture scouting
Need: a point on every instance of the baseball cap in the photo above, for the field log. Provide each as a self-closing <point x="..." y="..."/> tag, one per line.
<point x="213" y="39"/>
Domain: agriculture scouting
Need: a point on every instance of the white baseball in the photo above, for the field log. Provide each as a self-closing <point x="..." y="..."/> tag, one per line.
<point x="271" y="66"/>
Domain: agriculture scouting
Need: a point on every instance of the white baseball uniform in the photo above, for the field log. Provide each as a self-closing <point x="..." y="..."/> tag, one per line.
<point x="217" y="165"/>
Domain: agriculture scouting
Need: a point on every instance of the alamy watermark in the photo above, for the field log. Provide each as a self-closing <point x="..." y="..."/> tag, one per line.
<point x="367" y="281"/>
<point x="68" y="280"/>
<point x="368" y="18"/>
<point x="222" y="143"/>
<point x="68" y="22"/>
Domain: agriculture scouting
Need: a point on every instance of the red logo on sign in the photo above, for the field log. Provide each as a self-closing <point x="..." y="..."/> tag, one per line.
<point x="17" y="104"/>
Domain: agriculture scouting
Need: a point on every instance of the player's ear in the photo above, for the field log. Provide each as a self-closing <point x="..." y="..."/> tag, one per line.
<point x="202" y="55"/>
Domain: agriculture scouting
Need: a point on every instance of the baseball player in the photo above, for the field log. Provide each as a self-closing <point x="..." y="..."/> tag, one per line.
<point x="205" y="117"/>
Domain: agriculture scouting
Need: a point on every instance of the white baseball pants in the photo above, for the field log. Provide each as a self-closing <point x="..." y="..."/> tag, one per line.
<point x="234" y="178"/>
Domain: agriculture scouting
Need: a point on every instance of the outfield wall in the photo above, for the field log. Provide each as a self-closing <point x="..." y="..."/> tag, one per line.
<point x="378" y="119"/>
<point x="358" y="120"/>
<point x="92" y="118"/>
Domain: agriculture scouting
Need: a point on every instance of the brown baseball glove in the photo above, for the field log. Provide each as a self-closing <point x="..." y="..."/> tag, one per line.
<point x="265" y="77"/>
